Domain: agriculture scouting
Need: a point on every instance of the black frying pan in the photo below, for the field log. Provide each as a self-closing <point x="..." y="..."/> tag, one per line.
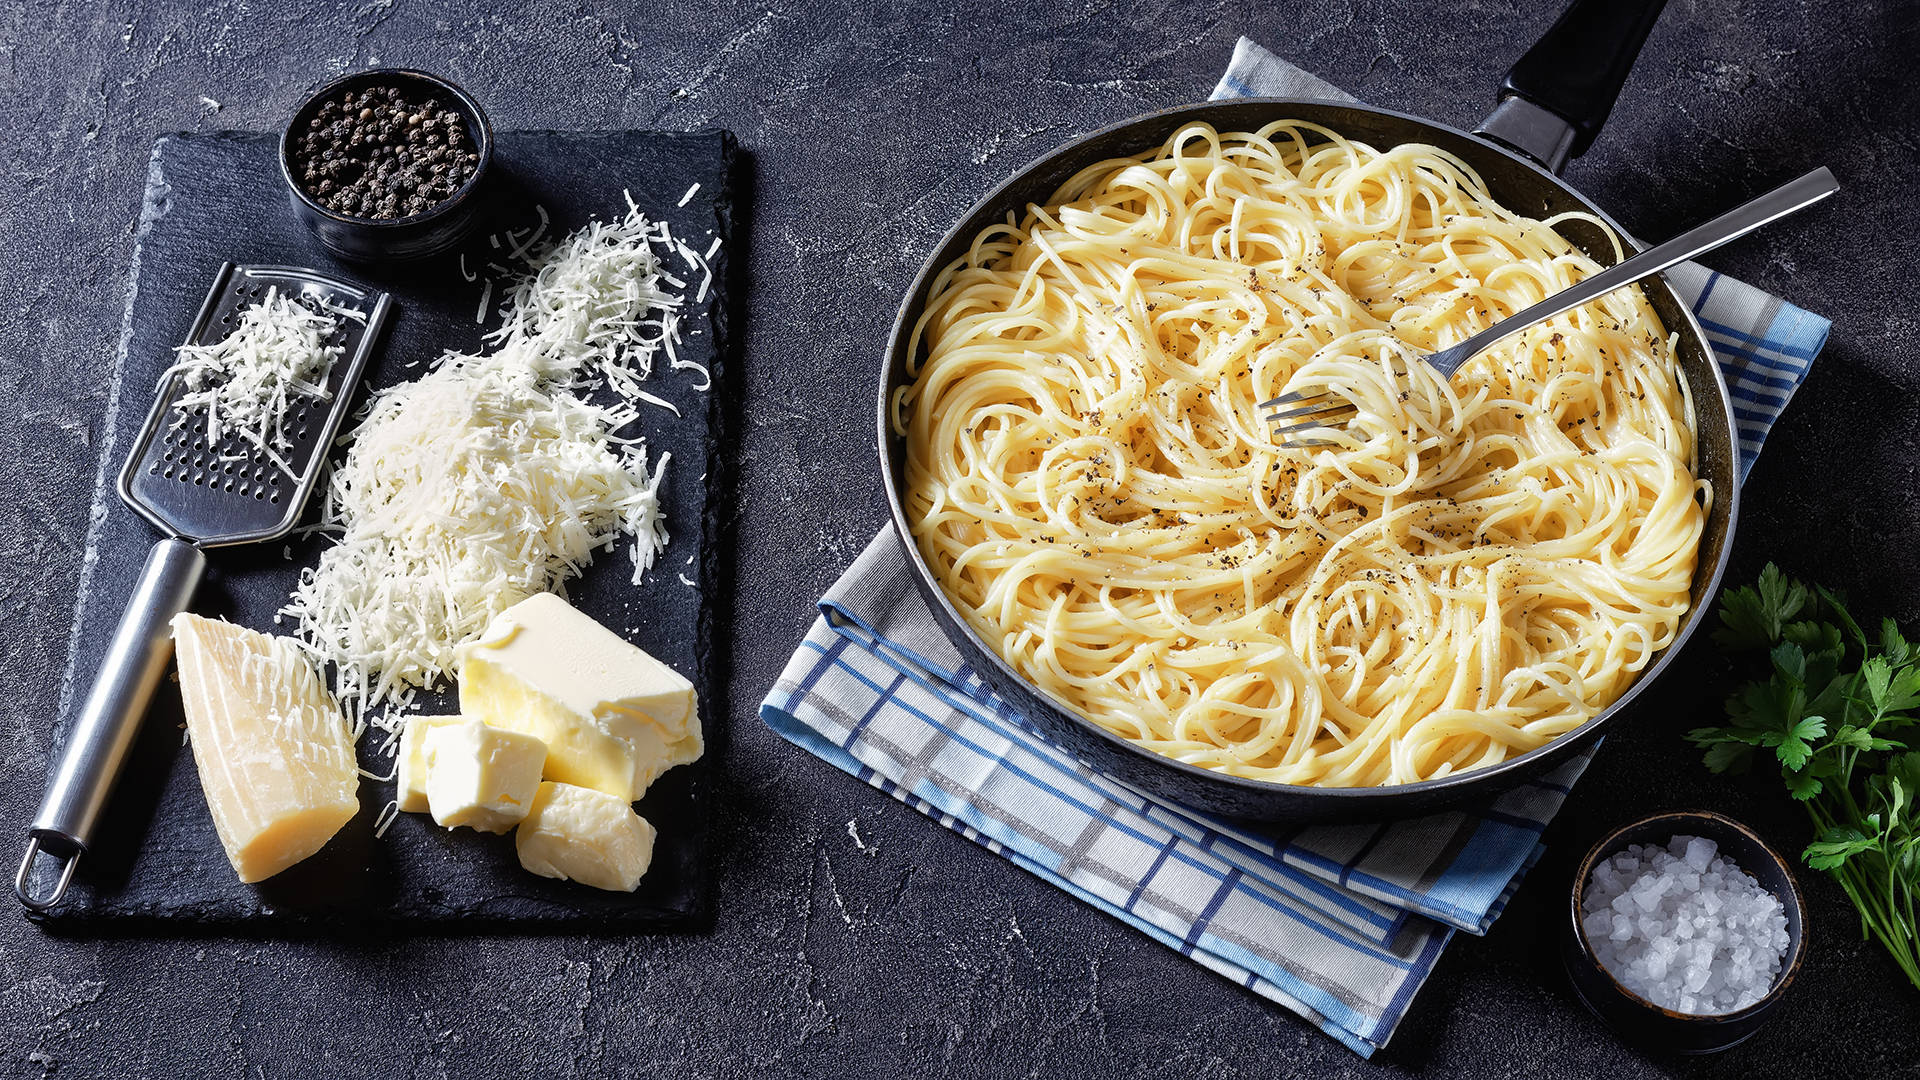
<point x="1552" y="104"/>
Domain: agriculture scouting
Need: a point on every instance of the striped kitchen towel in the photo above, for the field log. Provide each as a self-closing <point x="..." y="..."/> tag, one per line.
<point x="1340" y="924"/>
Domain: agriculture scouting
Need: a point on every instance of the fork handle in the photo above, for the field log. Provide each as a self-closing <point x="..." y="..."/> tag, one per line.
<point x="1786" y="199"/>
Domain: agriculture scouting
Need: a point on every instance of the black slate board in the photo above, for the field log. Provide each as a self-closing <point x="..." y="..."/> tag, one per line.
<point x="158" y="864"/>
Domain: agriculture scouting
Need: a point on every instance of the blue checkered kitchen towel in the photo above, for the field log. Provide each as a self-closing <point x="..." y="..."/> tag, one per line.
<point x="1340" y="924"/>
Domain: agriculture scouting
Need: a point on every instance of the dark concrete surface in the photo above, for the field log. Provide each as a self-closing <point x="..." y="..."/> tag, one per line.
<point x="916" y="953"/>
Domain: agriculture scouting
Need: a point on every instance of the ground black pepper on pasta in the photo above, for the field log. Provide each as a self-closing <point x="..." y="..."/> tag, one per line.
<point x="383" y="152"/>
<point x="1098" y="496"/>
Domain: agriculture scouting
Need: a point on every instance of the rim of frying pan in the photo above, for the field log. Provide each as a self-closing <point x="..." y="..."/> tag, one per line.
<point x="1488" y="777"/>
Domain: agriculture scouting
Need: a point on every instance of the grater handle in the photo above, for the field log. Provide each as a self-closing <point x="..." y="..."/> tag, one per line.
<point x="89" y="762"/>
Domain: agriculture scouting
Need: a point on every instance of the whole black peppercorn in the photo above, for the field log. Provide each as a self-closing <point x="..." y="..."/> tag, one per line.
<point x="381" y="153"/>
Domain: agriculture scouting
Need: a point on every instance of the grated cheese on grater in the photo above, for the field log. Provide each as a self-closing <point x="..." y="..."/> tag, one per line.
<point x="496" y="475"/>
<point x="246" y="382"/>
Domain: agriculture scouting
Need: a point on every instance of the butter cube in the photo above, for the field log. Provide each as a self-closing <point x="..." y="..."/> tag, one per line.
<point x="275" y="757"/>
<point x="410" y="781"/>
<point x="481" y="777"/>
<point x="613" y="717"/>
<point x="578" y="834"/>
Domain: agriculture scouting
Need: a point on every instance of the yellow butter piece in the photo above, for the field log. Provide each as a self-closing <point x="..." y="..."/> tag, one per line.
<point x="410" y="778"/>
<point x="579" y="834"/>
<point x="480" y="777"/>
<point x="274" y="754"/>
<point x="613" y="717"/>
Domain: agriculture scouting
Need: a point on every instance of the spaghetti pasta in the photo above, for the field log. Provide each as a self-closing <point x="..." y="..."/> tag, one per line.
<point x="1471" y="569"/>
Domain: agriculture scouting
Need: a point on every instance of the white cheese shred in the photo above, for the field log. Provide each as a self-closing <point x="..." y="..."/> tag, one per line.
<point x="521" y="248"/>
<point x="384" y="820"/>
<point x="706" y="378"/>
<point x="245" y="384"/>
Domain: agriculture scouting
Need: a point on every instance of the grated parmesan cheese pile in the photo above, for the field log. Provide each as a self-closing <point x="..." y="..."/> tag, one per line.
<point x="497" y="475"/>
<point x="596" y="310"/>
<point x="247" y="382"/>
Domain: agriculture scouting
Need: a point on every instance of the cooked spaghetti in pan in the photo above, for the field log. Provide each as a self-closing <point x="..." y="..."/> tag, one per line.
<point x="1468" y="570"/>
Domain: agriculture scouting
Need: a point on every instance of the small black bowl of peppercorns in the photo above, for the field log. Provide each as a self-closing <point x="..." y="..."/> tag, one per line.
<point x="387" y="164"/>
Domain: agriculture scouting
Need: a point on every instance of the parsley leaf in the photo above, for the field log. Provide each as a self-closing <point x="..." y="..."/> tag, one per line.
<point x="1751" y="618"/>
<point x="1893" y="645"/>
<point x="1804" y="785"/>
<point x="1836" y="846"/>
<point x="1860" y="739"/>
<point x="1793" y="745"/>
<point x="1816" y="639"/>
<point x="1728" y="757"/>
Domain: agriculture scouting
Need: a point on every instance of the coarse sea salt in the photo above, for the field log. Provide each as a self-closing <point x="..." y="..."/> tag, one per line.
<point x="1685" y="928"/>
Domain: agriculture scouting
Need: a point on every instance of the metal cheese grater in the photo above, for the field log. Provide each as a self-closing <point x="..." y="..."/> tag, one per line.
<point x="201" y="495"/>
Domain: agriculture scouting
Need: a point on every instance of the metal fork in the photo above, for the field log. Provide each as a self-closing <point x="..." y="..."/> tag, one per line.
<point x="1299" y="414"/>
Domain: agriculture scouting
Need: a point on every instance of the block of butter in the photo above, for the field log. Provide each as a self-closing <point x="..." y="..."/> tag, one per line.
<point x="584" y="835"/>
<point x="481" y="777"/>
<point x="410" y="779"/>
<point x="613" y="717"/>
<point x="274" y="754"/>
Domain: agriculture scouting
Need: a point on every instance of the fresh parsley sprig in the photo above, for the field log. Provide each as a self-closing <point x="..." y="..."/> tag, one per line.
<point x="1835" y="710"/>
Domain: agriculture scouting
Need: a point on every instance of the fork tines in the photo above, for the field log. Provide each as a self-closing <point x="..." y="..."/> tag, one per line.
<point x="1308" y="413"/>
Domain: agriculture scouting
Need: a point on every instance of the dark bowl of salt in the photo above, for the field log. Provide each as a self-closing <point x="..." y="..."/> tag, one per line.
<point x="1685" y="931"/>
<point x="387" y="164"/>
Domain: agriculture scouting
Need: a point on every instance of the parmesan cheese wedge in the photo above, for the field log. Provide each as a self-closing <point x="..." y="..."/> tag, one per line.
<point x="410" y="778"/>
<point x="275" y="758"/>
<point x="578" y="834"/>
<point x="613" y="717"/>
<point x="481" y="777"/>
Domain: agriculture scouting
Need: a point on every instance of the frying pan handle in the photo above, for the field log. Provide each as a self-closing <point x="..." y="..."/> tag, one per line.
<point x="1557" y="96"/>
<point x="88" y="763"/>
